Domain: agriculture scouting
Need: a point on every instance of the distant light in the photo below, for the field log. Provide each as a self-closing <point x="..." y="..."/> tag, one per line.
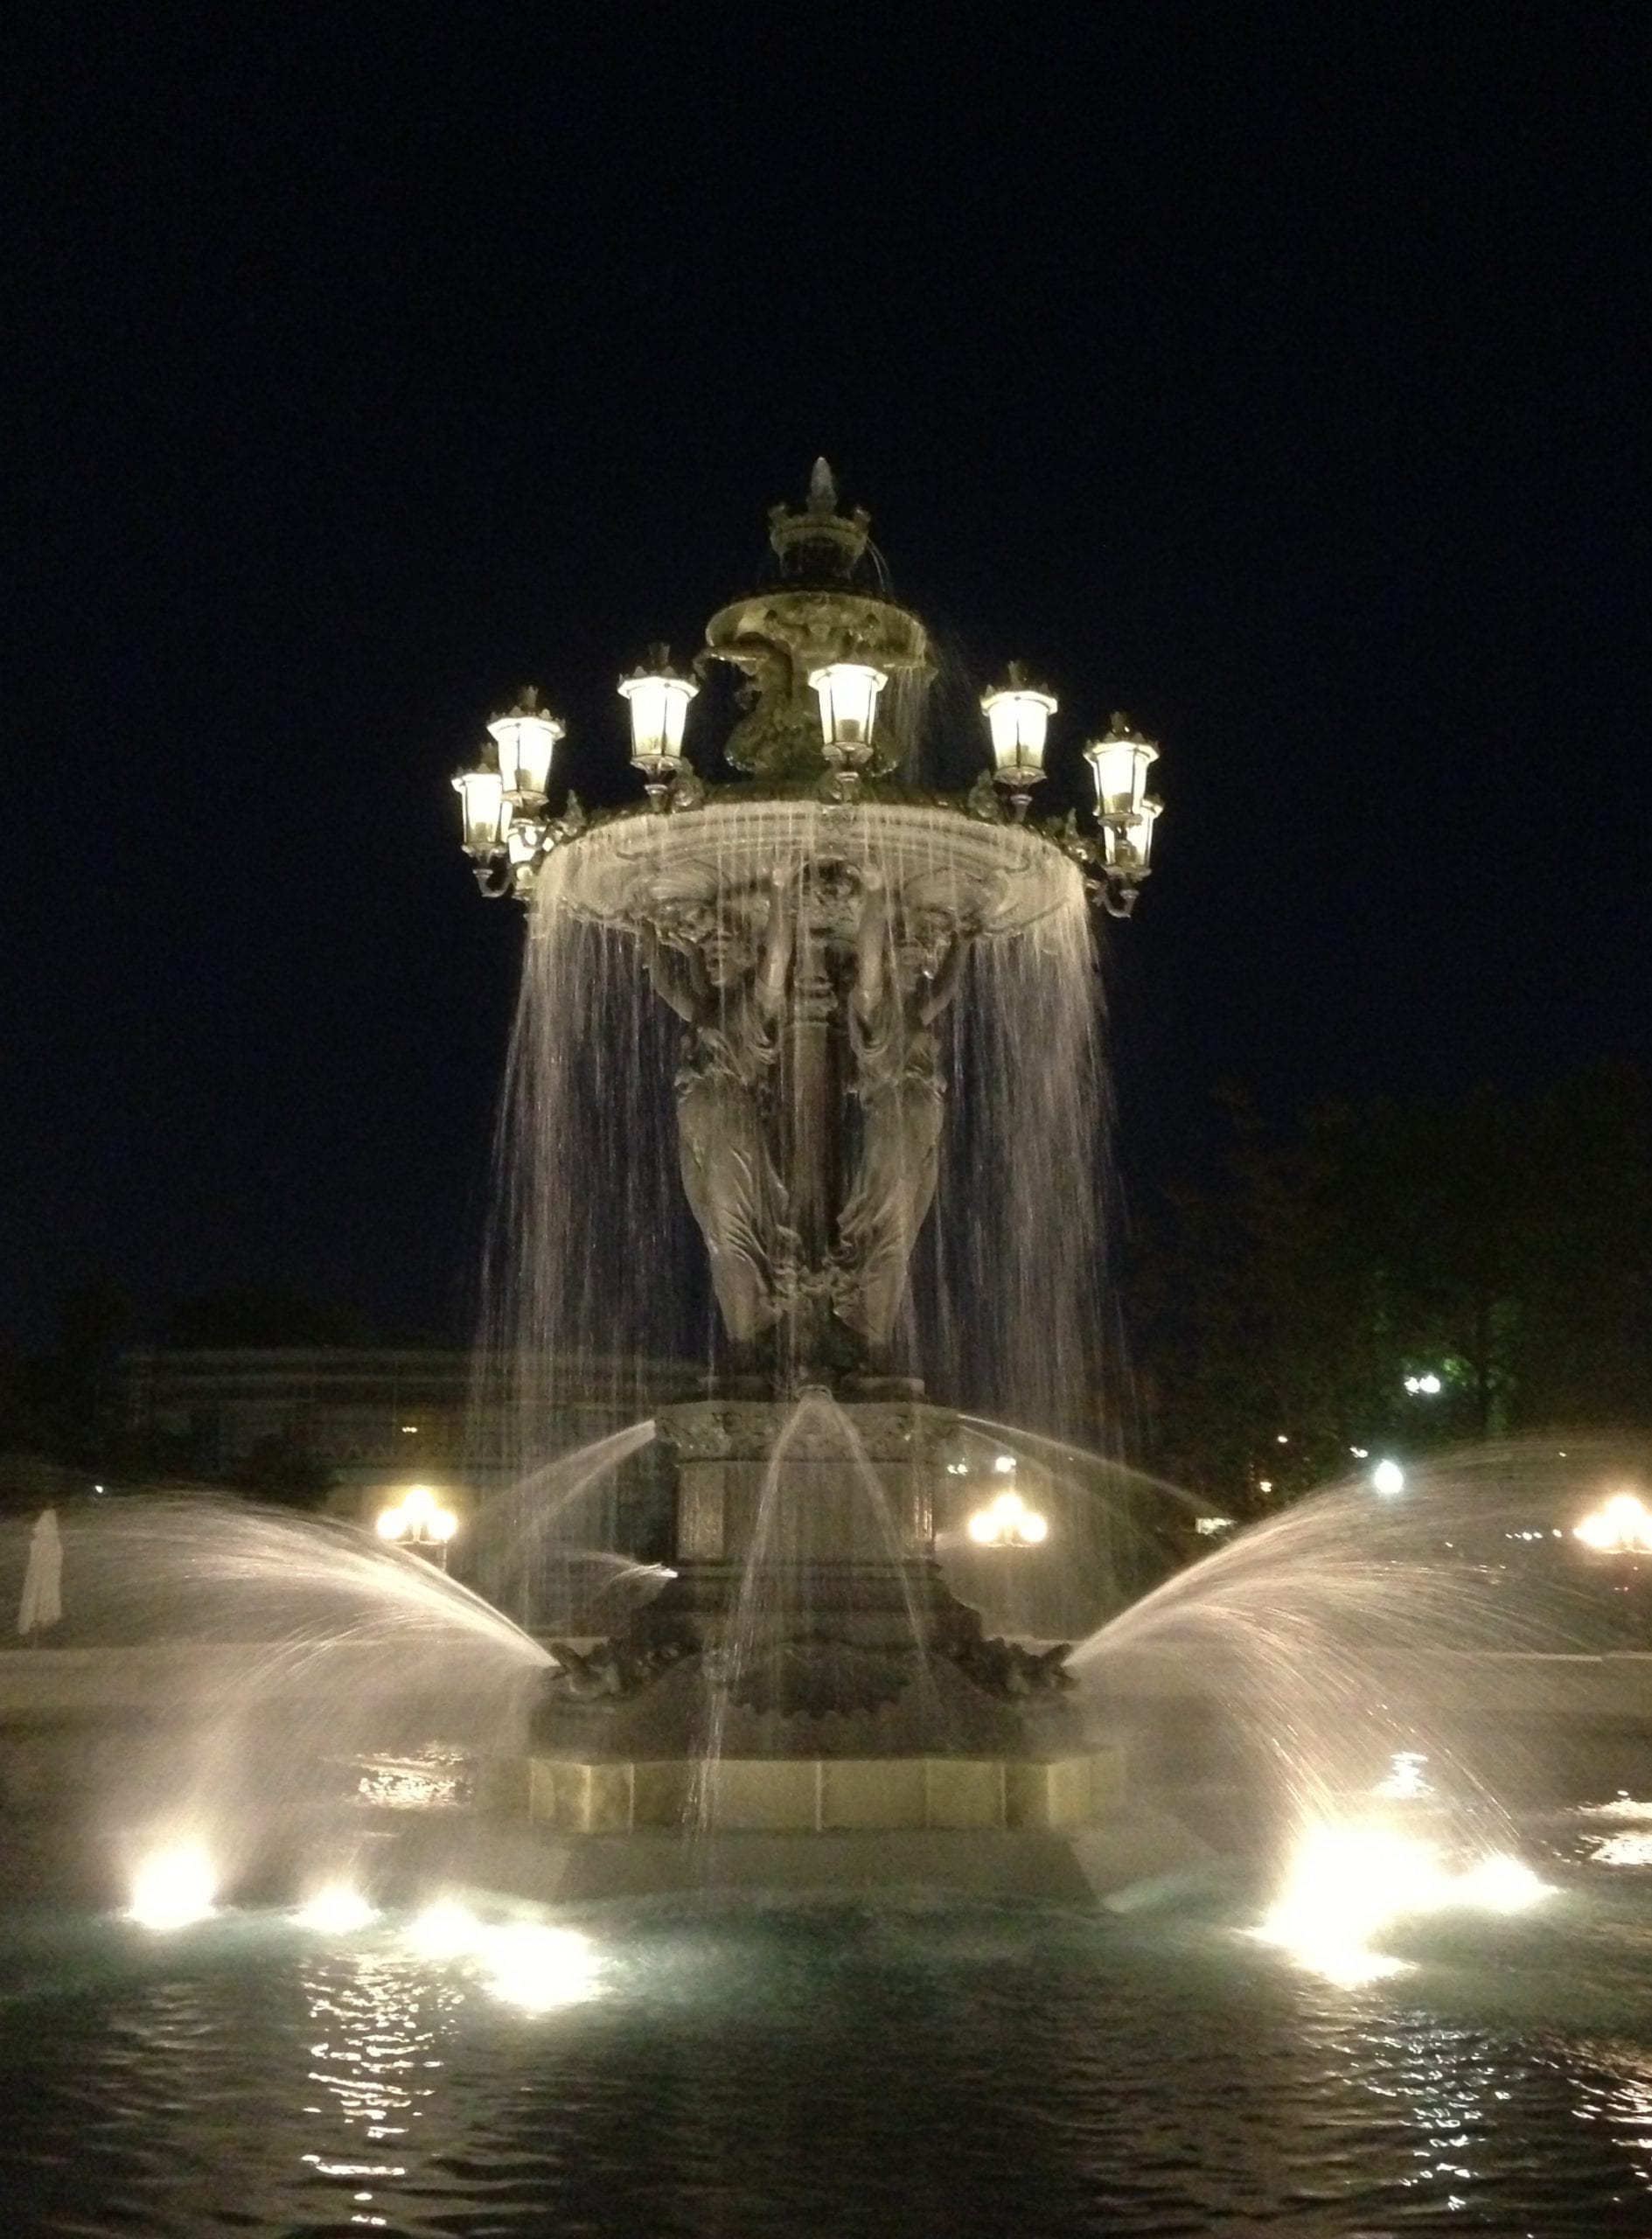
<point x="1621" y="1525"/>
<point x="97" y="1488"/>
<point x="409" y="1430"/>
<point x="1264" y="1485"/>
<point x="1007" y="1522"/>
<point x="1388" y="1478"/>
<point x="1210" y="1527"/>
<point x="336" y="1909"/>
<point x="174" y="1887"/>
<point x="1005" y="1464"/>
<point x="1361" y="1453"/>
<point x="1283" y="1439"/>
<point x="417" y="1516"/>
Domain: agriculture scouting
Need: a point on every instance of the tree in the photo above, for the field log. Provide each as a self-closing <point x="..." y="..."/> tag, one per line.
<point x="1502" y="1245"/>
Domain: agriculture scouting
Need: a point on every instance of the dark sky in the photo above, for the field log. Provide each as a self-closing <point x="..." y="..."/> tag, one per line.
<point x="1278" y="373"/>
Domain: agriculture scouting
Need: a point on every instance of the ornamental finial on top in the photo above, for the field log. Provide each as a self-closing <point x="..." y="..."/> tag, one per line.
<point x="819" y="545"/>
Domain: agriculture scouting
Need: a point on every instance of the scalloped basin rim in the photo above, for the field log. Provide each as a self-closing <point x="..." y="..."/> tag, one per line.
<point x="991" y="879"/>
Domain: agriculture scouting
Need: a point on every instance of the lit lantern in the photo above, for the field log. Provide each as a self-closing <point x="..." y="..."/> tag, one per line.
<point x="485" y="812"/>
<point x="420" y="1520"/>
<point x="659" y="701"/>
<point x="1018" y="716"/>
<point x="1621" y="1525"/>
<point x="848" y="692"/>
<point x="523" y="843"/>
<point x="1121" y="762"/>
<point x="1128" y="841"/>
<point x="1007" y="1522"/>
<point x="525" y="736"/>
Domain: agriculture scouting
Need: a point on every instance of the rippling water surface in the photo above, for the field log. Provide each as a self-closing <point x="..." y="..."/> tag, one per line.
<point x="836" y="2070"/>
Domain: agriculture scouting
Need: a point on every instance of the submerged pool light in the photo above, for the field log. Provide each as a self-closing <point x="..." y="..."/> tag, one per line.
<point x="1349" y="1881"/>
<point x="336" y="1908"/>
<point x="174" y="1887"/>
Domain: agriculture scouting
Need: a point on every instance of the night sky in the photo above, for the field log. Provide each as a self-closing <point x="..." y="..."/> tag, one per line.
<point x="1276" y="373"/>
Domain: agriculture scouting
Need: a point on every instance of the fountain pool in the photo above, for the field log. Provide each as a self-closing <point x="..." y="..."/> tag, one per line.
<point x="967" y="2068"/>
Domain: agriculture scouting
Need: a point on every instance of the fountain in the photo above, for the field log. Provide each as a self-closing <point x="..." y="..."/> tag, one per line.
<point x="846" y="960"/>
<point x="811" y="1615"/>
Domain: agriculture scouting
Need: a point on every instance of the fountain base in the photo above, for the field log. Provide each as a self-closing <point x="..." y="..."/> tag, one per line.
<point x="811" y="1795"/>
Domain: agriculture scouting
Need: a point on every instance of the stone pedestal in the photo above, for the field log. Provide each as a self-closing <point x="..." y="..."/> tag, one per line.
<point x="863" y="1495"/>
<point x="824" y="1794"/>
<point x="807" y="1621"/>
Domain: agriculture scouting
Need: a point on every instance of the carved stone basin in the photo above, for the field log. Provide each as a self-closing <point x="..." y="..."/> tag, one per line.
<point x="943" y="870"/>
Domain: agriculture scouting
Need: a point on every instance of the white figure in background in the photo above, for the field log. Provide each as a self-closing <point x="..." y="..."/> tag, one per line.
<point x="907" y="970"/>
<point x="42" y="1603"/>
<point x="730" y="988"/>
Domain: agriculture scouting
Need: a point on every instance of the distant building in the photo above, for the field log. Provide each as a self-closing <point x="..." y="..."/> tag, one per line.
<point x="378" y="1421"/>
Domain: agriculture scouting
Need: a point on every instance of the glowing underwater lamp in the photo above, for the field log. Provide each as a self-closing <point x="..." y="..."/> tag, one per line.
<point x="657" y="698"/>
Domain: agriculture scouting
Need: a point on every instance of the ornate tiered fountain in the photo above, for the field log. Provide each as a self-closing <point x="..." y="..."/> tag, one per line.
<point x="810" y="921"/>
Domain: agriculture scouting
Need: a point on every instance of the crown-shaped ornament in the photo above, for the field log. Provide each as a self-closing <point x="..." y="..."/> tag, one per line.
<point x="819" y="542"/>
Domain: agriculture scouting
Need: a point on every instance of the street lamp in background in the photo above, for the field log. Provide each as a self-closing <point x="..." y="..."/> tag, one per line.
<point x="1007" y="1521"/>
<point x="421" y="1523"/>
<point x="1621" y="1525"/>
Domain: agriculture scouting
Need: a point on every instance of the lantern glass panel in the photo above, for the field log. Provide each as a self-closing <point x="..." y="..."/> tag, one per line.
<point x="848" y="692"/>
<point x="1019" y="720"/>
<point x="525" y="743"/>
<point x="659" y="715"/>
<point x="1122" y="766"/>
<point x="483" y="806"/>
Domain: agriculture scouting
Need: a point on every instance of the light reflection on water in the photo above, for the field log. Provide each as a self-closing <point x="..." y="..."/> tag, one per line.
<point x="380" y="2017"/>
<point x="752" y="2073"/>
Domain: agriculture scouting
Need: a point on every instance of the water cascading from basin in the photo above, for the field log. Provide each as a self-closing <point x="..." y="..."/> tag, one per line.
<point x="229" y="1671"/>
<point x="802" y="1139"/>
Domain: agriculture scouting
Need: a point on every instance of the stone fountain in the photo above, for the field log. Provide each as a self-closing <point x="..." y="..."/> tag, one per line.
<point x="809" y="925"/>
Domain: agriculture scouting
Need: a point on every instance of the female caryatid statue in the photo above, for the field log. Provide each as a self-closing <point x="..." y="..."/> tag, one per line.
<point x="729" y="984"/>
<point x="907" y="969"/>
